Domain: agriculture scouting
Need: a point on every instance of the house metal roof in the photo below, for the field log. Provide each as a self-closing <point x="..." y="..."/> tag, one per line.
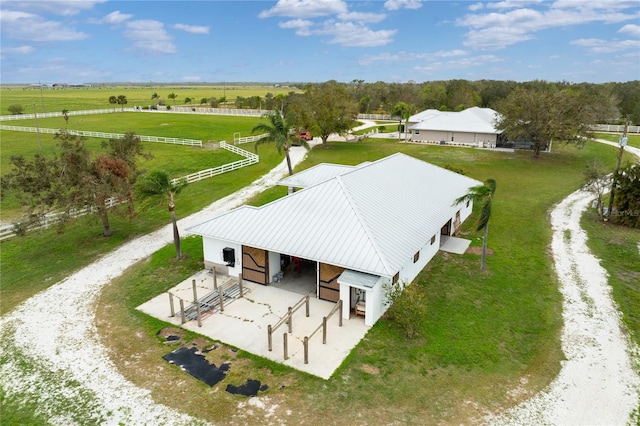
<point x="369" y="219"/>
<point x="471" y="120"/>
<point x="315" y="174"/>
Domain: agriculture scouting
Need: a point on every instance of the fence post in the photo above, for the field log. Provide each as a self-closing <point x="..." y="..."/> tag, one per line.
<point x="198" y="314"/>
<point x="183" y="317"/>
<point x="173" y="312"/>
<point x="306" y="350"/>
<point x="340" y="313"/>
<point x="286" y="345"/>
<point x="290" y="321"/>
<point x="195" y="291"/>
<point x="269" y="331"/>
<point x="324" y="330"/>
<point x="307" y="304"/>
<point x="240" y="284"/>
<point x="220" y="293"/>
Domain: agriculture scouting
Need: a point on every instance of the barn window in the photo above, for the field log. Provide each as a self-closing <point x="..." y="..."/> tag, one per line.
<point x="467" y="203"/>
<point x="396" y="278"/>
<point x="416" y="257"/>
<point x="433" y="240"/>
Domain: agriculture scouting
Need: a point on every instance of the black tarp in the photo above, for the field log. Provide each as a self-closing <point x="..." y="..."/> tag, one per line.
<point x="197" y="365"/>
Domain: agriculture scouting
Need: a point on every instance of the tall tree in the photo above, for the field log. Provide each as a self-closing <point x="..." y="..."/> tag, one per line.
<point x="158" y="184"/>
<point x="279" y="130"/>
<point x="403" y="112"/>
<point x="627" y="202"/>
<point x="172" y="96"/>
<point x="544" y="115"/>
<point x="484" y="194"/>
<point x="122" y="101"/>
<point x="324" y="109"/>
<point x="65" y="115"/>
<point x="113" y="100"/>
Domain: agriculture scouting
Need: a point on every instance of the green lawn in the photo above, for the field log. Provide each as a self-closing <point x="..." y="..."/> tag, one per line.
<point x="634" y="139"/>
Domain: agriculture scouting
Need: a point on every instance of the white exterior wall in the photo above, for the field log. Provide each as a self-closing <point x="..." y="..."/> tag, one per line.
<point x="458" y="137"/>
<point x="213" y="254"/>
<point x="274" y="265"/>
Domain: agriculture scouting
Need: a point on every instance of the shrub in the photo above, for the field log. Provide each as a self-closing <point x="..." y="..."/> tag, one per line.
<point x="407" y="307"/>
<point x="15" y="109"/>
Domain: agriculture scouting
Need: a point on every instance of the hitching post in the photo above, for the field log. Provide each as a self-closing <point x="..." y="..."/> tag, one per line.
<point x="324" y="330"/>
<point x="286" y="346"/>
<point x="173" y="312"/>
<point x="240" y="283"/>
<point x="306" y="350"/>
<point x="269" y="331"/>
<point x="183" y="317"/>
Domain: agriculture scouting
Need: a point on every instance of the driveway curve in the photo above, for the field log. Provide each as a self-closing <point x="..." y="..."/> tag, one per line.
<point x="50" y="349"/>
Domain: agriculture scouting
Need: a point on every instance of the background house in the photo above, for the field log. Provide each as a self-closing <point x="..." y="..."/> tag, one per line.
<point x="359" y="227"/>
<point x="473" y="126"/>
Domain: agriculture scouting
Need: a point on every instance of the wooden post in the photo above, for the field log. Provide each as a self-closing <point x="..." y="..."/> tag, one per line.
<point x="220" y="293"/>
<point x="290" y="321"/>
<point x="183" y="316"/>
<point x="324" y="330"/>
<point x="340" y="312"/>
<point x="195" y="291"/>
<point x="198" y="314"/>
<point x="173" y="312"/>
<point x="307" y="304"/>
<point x="286" y="345"/>
<point x="240" y="283"/>
<point x="306" y="350"/>
<point x="215" y="278"/>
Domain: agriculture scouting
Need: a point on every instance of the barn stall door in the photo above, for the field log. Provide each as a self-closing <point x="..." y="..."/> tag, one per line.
<point x="329" y="287"/>
<point x="255" y="265"/>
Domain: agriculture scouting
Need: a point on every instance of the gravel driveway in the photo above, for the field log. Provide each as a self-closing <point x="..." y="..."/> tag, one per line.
<point x="50" y="348"/>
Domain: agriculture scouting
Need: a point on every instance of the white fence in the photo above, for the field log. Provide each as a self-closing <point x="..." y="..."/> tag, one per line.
<point x="249" y="159"/>
<point x="239" y="140"/>
<point x="158" y="139"/>
<point x="8" y="231"/>
<point x="615" y="128"/>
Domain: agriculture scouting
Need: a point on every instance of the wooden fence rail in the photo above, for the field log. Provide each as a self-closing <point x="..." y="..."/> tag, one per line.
<point x="323" y="326"/>
<point x="288" y="319"/>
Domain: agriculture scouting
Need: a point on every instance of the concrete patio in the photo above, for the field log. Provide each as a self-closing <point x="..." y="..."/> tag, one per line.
<point x="244" y="321"/>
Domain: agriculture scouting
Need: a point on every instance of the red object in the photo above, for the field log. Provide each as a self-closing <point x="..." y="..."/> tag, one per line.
<point x="298" y="262"/>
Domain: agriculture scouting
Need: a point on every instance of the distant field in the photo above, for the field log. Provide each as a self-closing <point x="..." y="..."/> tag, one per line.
<point x="50" y="100"/>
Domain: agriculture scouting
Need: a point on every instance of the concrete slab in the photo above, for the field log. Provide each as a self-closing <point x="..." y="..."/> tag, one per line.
<point x="245" y="321"/>
<point x="453" y="244"/>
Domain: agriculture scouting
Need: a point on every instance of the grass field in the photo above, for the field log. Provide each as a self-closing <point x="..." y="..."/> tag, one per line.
<point x="482" y="334"/>
<point x="55" y="100"/>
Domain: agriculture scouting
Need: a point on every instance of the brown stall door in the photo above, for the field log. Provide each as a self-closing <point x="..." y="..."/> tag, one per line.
<point x="329" y="287"/>
<point x="255" y="265"/>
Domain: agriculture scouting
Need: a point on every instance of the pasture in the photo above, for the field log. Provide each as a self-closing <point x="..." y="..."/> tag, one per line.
<point x="85" y="98"/>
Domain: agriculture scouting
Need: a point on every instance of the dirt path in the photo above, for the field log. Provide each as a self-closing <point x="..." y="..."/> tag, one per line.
<point x="597" y="384"/>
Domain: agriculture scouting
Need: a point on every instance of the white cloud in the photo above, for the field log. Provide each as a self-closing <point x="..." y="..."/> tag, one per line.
<point x="192" y="29"/>
<point x="475" y="6"/>
<point x="462" y="63"/>
<point x="302" y="26"/>
<point x="27" y="26"/>
<point x="402" y="4"/>
<point x="191" y="78"/>
<point x="512" y="4"/>
<point x="19" y="50"/>
<point x="150" y="36"/>
<point x="58" y="7"/>
<point x="113" y="18"/>
<point x="389" y="57"/>
<point x="595" y="45"/>
<point x="362" y="17"/>
<point x="349" y="34"/>
<point x="305" y="8"/>
<point x="500" y="29"/>
<point x="630" y="29"/>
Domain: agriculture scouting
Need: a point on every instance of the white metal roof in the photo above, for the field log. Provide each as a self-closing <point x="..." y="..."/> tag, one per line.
<point x="471" y="120"/>
<point x="315" y="175"/>
<point x="370" y="219"/>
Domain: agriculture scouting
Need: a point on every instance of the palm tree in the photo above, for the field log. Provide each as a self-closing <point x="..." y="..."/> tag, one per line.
<point x="65" y="114"/>
<point x="158" y="184"/>
<point x="402" y="110"/>
<point x="279" y="130"/>
<point x="483" y="193"/>
<point x="113" y="101"/>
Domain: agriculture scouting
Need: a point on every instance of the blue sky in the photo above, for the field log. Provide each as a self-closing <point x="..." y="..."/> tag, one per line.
<point x="317" y="40"/>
